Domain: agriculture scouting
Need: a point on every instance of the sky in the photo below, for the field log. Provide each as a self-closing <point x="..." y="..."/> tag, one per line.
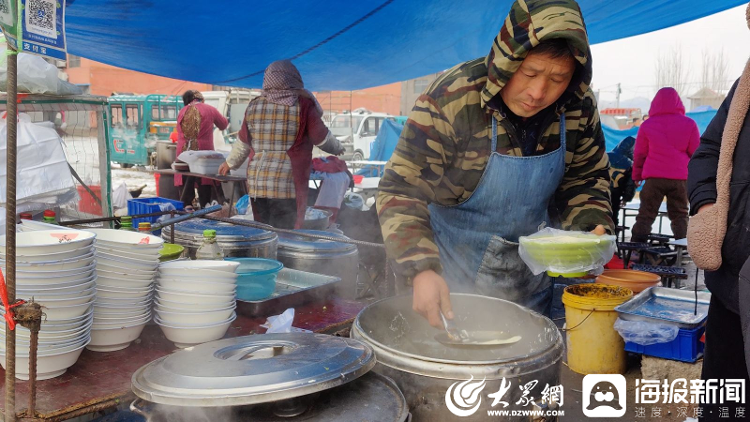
<point x="631" y="61"/>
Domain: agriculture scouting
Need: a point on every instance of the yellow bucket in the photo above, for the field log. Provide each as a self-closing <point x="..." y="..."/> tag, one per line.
<point x="594" y="347"/>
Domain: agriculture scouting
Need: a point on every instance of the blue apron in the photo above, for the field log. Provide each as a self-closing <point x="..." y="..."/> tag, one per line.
<point x="478" y="238"/>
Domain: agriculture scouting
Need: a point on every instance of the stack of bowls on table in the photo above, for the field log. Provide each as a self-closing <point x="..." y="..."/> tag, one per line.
<point x="195" y="300"/>
<point x="126" y="263"/>
<point x="55" y="268"/>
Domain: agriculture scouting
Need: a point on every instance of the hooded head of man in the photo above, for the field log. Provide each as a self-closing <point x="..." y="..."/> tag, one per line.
<point x="540" y="57"/>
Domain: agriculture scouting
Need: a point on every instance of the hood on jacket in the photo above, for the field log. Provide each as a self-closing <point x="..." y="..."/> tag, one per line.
<point x="529" y="22"/>
<point x="621" y="157"/>
<point x="666" y="101"/>
<point x="625" y="147"/>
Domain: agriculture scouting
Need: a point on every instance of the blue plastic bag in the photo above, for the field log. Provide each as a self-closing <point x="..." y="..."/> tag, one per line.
<point x="242" y="205"/>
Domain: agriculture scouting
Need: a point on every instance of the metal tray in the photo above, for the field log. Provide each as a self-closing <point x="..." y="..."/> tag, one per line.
<point x="293" y="288"/>
<point x="665" y="305"/>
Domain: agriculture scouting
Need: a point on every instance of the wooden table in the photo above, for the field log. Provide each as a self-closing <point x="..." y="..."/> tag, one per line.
<point x="222" y="179"/>
<point x="102" y="380"/>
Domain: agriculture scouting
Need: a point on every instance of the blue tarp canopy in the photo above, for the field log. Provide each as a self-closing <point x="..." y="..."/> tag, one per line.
<point x="614" y="136"/>
<point x="337" y="44"/>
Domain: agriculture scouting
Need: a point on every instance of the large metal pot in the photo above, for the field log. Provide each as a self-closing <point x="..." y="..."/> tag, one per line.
<point x="323" y="257"/>
<point x="425" y="370"/>
<point x="270" y="378"/>
<point x="235" y="241"/>
<point x="166" y="151"/>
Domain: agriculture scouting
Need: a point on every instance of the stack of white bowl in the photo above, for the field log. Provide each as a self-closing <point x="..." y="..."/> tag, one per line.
<point x="55" y="268"/>
<point x="126" y="263"/>
<point x="196" y="300"/>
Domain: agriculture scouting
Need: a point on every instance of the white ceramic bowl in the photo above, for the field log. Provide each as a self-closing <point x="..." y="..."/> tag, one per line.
<point x="65" y="313"/>
<point x="123" y="282"/>
<point x="145" y="254"/>
<point x="54" y="335"/>
<point x="125" y="240"/>
<point x="49" y="365"/>
<point x="113" y="339"/>
<point x="199" y="275"/>
<point x="64" y="302"/>
<point x="103" y="312"/>
<point x="137" y="295"/>
<point x="68" y="264"/>
<point x="55" y="341"/>
<point x="56" y="256"/>
<point x="56" y="297"/>
<point x="183" y="336"/>
<point x="145" y="267"/>
<point x="154" y="260"/>
<point x="189" y="267"/>
<point x="120" y="322"/>
<point x="39" y="278"/>
<point x="118" y="273"/>
<point x="50" y="241"/>
<point x="196" y="286"/>
<point x="194" y="318"/>
<point x="25" y="285"/>
<point x="190" y="307"/>
<point x="123" y="268"/>
<point x="57" y="291"/>
<point x="115" y="303"/>
<point x="37" y="272"/>
<point x="193" y="298"/>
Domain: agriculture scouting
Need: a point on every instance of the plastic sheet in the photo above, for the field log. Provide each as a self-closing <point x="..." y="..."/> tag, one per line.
<point x="43" y="174"/>
<point x="242" y="205"/>
<point x="566" y="253"/>
<point x="646" y="333"/>
<point x="36" y="76"/>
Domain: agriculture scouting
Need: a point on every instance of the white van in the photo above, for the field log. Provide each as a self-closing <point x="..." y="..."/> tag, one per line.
<point x="231" y="104"/>
<point x="356" y="131"/>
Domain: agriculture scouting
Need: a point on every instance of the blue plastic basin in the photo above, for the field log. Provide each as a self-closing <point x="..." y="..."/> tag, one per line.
<point x="256" y="277"/>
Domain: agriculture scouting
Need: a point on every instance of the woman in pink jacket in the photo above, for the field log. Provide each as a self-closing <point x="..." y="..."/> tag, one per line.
<point x="663" y="148"/>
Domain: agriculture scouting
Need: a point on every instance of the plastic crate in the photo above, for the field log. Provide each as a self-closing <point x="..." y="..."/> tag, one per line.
<point x="147" y="206"/>
<point x="687" y="347"/>
<point x="87" y="203"/>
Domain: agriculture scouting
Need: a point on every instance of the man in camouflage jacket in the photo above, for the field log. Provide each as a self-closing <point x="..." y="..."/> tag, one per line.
<point x="537" y="73"/>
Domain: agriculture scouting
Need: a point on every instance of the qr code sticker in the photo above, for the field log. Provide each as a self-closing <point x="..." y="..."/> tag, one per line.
<point x="6" y="14"/>
<point x="41" y="17"/>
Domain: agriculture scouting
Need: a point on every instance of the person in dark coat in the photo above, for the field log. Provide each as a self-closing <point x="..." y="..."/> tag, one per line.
<point x="621" y="185"/>
<point x="725" y="353"/>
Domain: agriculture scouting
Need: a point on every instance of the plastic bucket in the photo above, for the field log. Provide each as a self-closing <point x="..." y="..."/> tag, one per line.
<point x="594" y="347"/>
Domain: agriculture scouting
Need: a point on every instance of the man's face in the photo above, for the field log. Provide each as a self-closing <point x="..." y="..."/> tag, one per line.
<point x="539" y="82"/>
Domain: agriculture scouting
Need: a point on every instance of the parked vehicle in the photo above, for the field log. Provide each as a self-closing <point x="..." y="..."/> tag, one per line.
<point x="137" y="122"/>
<point x="357" y="132"/>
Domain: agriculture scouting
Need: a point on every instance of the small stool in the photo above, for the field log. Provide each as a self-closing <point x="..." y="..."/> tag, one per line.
<point x="627" y="249"/>
<point x="659" y="239"/>
<point x="660" y="255"/>
<point x="668" y="274"/>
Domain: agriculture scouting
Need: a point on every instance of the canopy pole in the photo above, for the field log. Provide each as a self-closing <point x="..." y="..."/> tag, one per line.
<point x="10" y="233"/>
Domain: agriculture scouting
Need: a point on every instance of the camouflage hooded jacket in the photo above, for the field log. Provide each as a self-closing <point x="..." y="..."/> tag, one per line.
<point x="445" y="144"/>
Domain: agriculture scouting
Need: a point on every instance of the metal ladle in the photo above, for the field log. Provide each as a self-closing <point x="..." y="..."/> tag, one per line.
<point x="454" y="337"/>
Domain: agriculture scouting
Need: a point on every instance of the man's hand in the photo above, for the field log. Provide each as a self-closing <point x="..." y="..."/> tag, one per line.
<point x="599" y="230"/>
<point x="704" y="208"/>
<point x="431" y="294"/>
<point x="224" y="169"/>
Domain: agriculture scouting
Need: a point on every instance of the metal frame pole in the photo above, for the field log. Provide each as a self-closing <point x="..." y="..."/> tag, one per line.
<point x="10" y="233"/>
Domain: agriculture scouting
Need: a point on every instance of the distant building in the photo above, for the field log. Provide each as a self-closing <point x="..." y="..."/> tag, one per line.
<point x="100" y="79"/>
<point x="707" y="97"/>
<point x="382" y="99"/>
<point x="412" y="89"/>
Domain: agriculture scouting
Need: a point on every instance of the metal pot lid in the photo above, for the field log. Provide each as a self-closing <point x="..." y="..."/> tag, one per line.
<point x="224" y="231"/>
<point x="372" y="397"/>
<point x="297" y="243"/>
<point x="252" y="369"/>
